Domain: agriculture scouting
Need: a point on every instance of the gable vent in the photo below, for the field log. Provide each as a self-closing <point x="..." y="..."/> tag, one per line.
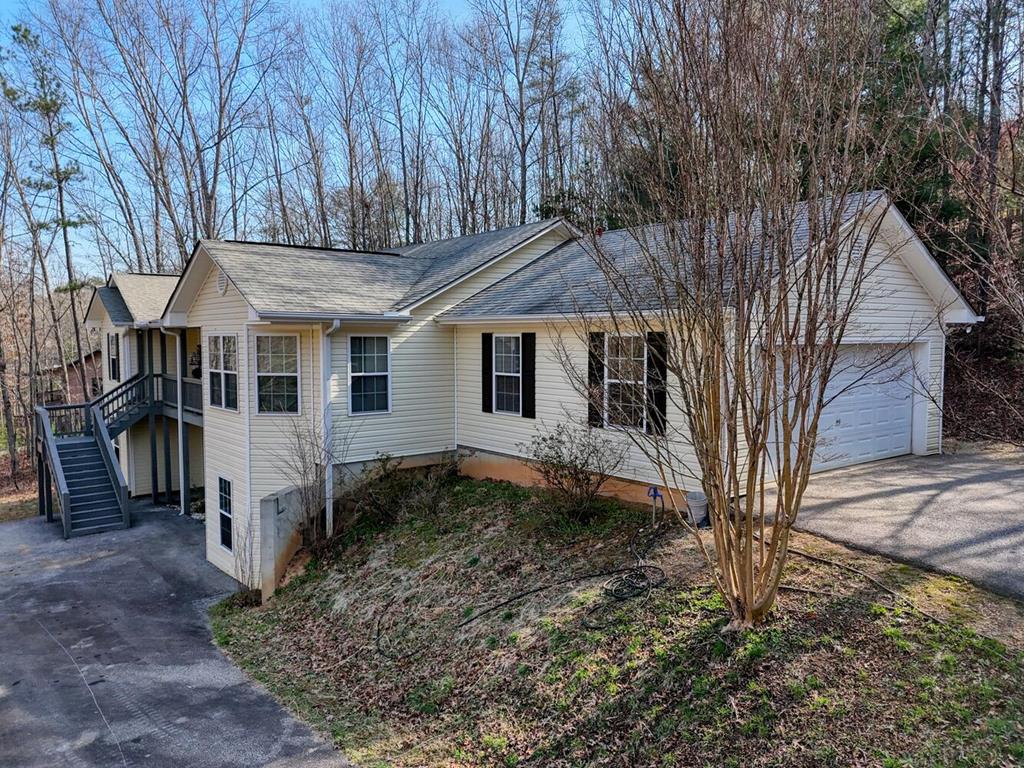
<point x="222" y="282"/>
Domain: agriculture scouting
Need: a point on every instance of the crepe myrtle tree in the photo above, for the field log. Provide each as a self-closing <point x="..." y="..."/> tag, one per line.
<point x="741" y="293"/>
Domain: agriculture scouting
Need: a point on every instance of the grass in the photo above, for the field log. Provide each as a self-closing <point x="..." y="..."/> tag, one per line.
<point x="846" y="678"/>
<point x="18" y="505"/>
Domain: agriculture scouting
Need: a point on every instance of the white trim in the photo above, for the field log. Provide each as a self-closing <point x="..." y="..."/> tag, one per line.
<point x="210" y="369"/>
<point x="326" y="406"/>
<point x="607" y="381"/>
<point x="297" y="335"/>
<point x="495" y="374"/>
<point x="230" y="515"/>
<point x="921" y="351"/>
<point x="348" y="368"/>
<point x="455" y="387"/>
<point x="555" y="225"/>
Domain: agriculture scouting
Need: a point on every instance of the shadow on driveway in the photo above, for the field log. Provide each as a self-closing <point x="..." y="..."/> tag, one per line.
<point x="961" y="514"/>
<point x="107" y="658"/>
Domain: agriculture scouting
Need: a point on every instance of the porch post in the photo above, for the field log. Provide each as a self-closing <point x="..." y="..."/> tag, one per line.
<point x="154" y="474"/>
<point x="168" y="482"/>
<point x="186" y="476"/>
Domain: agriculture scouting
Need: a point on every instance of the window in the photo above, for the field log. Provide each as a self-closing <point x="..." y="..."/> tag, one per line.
<point x="114" y="356"/>
<point x="223" y="371"/>
<point x="625" y="377"/>
<point x="507" y="374"/>
<point x="277" y="374"/>
<point x="369" y="370"/>
<point x="224" y="505"/>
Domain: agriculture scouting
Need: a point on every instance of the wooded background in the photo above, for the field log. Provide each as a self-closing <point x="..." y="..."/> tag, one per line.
<point x="130" y="129"/>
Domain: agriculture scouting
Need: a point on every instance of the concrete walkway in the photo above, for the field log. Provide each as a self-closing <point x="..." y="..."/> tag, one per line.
<point x="106" y="657"/>
<point x="961" y="514"/>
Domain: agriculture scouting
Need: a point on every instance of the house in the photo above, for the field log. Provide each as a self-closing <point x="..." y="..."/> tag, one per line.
<point x="60" y="384"/>
<point x="427" y="349"/>
<point x="127" y="311"/>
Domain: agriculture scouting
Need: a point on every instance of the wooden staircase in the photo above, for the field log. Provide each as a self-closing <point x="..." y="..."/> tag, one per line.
<point x="95" y="506"/>
<point x="79" y="475"/>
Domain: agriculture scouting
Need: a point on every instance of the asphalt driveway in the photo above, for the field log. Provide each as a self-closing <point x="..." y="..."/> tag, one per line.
<point x="106" y="658"/>
<point x="961" y="513"/>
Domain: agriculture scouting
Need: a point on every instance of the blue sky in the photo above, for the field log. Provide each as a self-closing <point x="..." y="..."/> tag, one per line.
<point x="10" y="10"/>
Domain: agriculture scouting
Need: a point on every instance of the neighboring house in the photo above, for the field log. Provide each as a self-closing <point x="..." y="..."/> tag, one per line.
<point x="61" y="384"/>
<point x="424" y="350"/>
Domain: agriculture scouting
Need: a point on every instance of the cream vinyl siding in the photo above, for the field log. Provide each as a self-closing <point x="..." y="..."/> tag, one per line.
<point x="895" y="309"/>
<point x="141" y="483"/>
<point x="272" y="435"/>
<point x="121" y="441"/>
<point x="422" y="418"/>
<point x="557" y="400"/>
<point x="225" y="433"/>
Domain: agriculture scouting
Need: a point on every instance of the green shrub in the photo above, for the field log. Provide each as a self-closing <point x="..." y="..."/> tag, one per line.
<point x="575" y="463"/>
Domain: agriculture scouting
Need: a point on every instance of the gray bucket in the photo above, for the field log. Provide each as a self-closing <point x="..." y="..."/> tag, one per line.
<point x="697" y="503"/>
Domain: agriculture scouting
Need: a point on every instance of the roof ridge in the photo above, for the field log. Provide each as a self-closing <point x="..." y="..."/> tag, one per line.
<point x="483" y="232"/>
<point x="325" y="249"/>
<point x="149" y="274"/>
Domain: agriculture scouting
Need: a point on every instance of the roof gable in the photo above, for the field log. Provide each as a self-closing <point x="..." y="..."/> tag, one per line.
<point x="568" y="280"/>
<point x="280" y="281"/>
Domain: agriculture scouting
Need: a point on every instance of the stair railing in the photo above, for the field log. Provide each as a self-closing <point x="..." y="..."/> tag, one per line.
<point x="106" y="447"/>
<point x="123" y="398"/>
<point x="48" y="444"/>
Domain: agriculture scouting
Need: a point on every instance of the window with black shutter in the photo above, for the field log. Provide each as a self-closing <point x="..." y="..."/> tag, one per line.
<point x="626" y="374"/>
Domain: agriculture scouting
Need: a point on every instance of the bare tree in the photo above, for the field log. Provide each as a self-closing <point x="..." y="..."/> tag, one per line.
<point x="741" y="294"/>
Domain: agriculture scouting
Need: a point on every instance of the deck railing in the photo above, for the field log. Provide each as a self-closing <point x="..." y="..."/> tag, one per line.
<point x="51" y="459"/>
<point x="191" y="393"/>
<point x="125" y="398"/>
<point x="69" y="420"/>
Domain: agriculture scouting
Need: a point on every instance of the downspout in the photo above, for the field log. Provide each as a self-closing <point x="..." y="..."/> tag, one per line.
<point x="455" y="389"/>
<point x="328" y="431"/>
<point x="182" y="480"/>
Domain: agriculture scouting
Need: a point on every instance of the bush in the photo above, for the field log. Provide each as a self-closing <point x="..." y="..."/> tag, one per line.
<point x="575" y="463"/>
<point x="384" y="493"/>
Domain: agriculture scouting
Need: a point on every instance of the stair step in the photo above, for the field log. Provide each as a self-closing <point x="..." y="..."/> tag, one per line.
<point x="86" y="530"/>
<point x="103" y="502"/>
<point x="86" y="459"/>
<point x="95" y="514"/>
<point x="87" y="487"/>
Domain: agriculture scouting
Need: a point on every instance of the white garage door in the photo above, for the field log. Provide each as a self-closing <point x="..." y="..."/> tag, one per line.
<point x="871" y="417"/>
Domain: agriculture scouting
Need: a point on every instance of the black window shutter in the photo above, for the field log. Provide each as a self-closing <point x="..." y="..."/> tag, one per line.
<point x="486" y="371"/>
<point x="657" y="376"/>
<point x="528" y="370"/>
<point x="595" y="380"/>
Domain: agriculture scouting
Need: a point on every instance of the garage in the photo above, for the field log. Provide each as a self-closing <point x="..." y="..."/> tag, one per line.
<point x="870" y="414"/>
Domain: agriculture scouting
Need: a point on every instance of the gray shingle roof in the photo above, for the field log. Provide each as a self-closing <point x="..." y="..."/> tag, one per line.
<point x="456" y="257"/>
<point x="280" y="278"/>
<point x="144" y="296"/>
<point x="114" y="304"/>
<point x="569" y="279"/>
<point x="292" y="279"/>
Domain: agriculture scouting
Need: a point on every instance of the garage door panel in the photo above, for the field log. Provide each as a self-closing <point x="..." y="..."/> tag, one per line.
<point x="871" y="415"/>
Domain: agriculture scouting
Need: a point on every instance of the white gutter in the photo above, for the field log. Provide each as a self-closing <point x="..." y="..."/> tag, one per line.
<point x="328" y="317"/>
<point x="523" y="318"/>
<point x="328" y="428"/>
